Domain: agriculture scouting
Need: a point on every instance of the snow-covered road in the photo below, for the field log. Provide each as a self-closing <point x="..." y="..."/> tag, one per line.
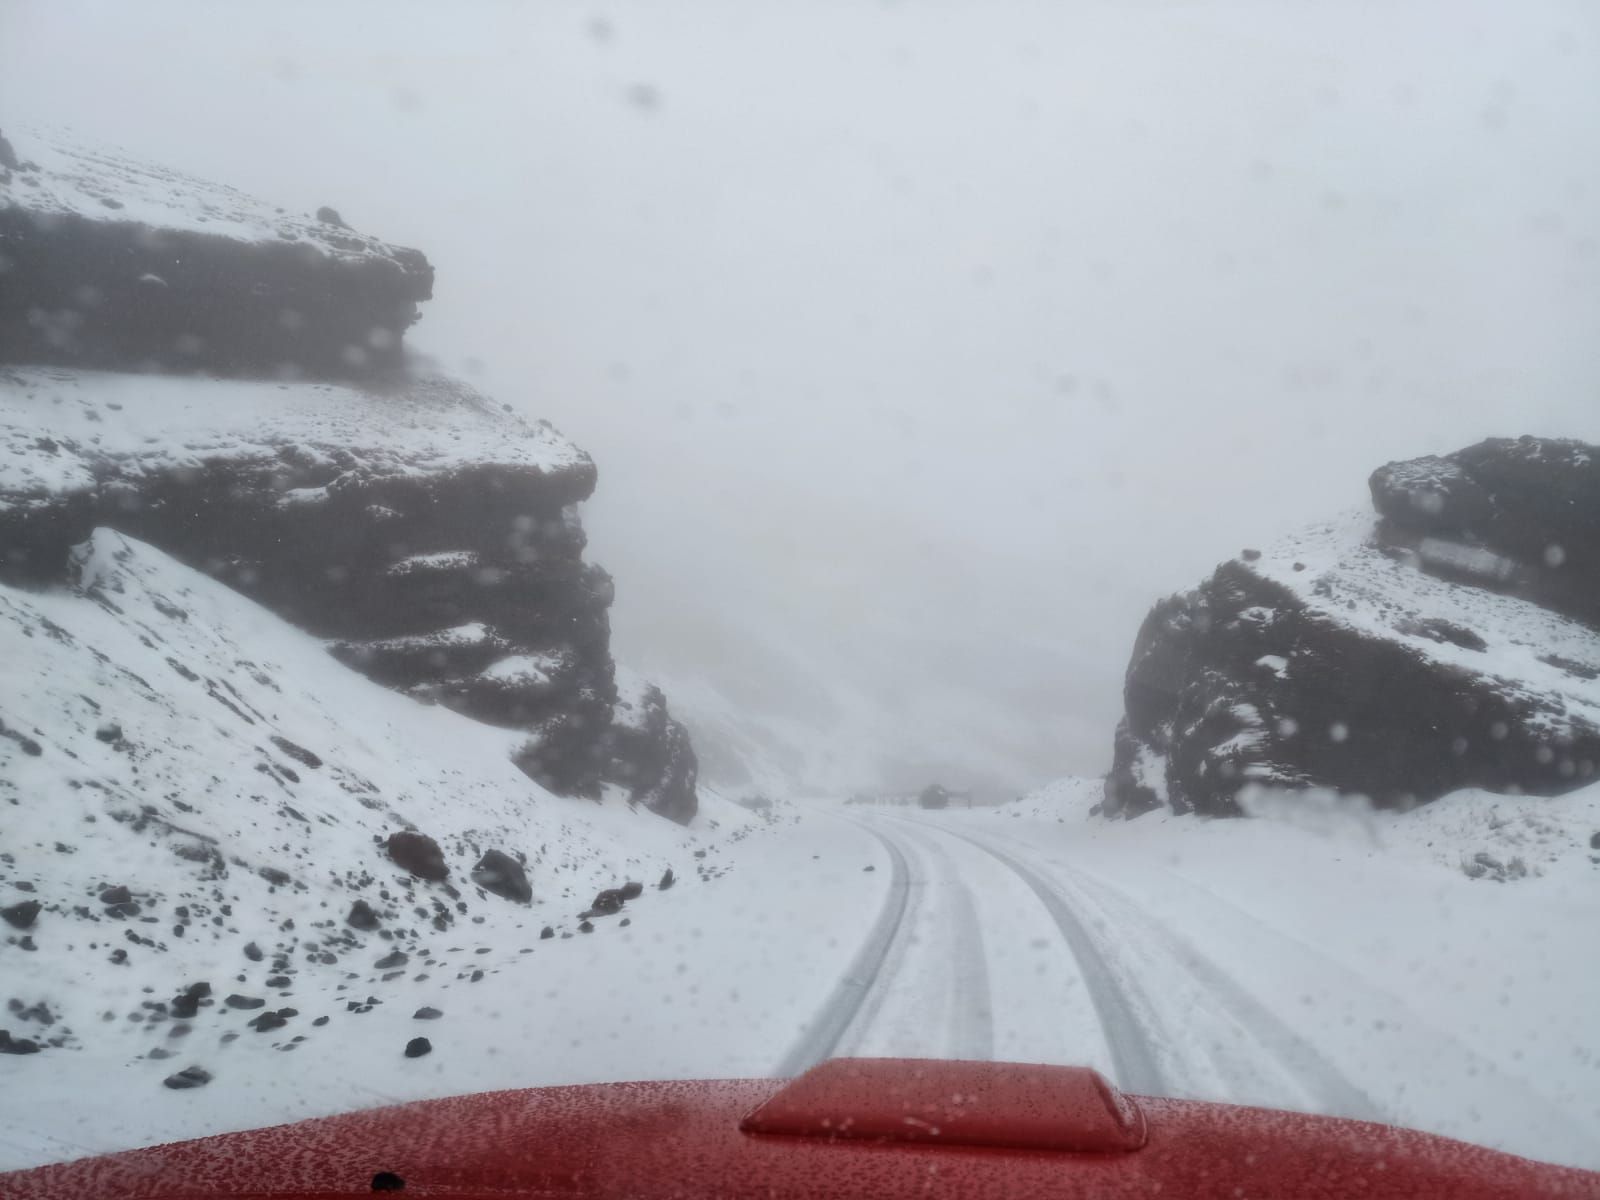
<point x="1338" y="970"/>
<point x="1009" y="940"/>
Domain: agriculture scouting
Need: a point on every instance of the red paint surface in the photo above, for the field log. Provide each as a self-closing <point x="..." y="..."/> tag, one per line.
<point x="955" y="1103"/>
<point x="682" y="1139"/>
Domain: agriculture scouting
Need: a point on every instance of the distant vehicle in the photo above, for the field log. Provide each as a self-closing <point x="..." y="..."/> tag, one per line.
<point x="847" y="1128"/>
<point x="934" y="796"/>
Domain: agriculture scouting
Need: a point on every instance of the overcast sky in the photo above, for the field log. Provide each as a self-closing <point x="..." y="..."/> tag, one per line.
<point x="922" y="346"/>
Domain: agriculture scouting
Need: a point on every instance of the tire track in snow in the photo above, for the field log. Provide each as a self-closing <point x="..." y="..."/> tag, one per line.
<point x="1132" y="1061"/>
<point x="972" y="1010"/>
<point x="1323" y="1082"/>
<point x="843" y="1005"/>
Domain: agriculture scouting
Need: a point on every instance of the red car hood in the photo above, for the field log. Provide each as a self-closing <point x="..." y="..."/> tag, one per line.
<point x="851" y="1127"/>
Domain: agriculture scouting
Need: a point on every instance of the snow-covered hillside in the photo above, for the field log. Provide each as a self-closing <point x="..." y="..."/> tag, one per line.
<point x="199" y="796"/>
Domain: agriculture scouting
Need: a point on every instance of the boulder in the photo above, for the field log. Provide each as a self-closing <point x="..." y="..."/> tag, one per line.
<point x="21" y="915"/>
<point x="1398" y="659"/>
<point x="189" y="1077"/>
<point x="362" y="916"/>
<point x="503" y="875"/>
<point x="419" y="854"/>
<point x="114" y="262"/>
<point x="649" y="753"/>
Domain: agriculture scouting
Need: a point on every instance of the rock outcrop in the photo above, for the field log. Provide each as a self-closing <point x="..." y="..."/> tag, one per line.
<point x="113" y="263"/>
<point x="1455" y="642"/>
<point x="429" y="535"/>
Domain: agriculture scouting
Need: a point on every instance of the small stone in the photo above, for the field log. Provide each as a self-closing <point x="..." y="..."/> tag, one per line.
<point x="547" y="932"/>
<point x="417" y="1047"/>
<point x="237" y="1001"/>
<point x="426" y="1013"/>
<point x="22" y="915"/>
<point x="189" y="1077"/>
<point x="666" y="880"/>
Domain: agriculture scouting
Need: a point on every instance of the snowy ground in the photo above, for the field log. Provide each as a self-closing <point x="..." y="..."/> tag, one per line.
<point x="1432" y="968"/>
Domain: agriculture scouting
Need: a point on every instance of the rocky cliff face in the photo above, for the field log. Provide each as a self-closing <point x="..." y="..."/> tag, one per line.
<point x="112" y="263"/>
<point x="428" y="534"/>
<point x="1453" y="642"/>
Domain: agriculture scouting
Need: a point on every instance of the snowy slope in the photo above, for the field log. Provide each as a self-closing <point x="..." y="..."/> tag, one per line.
<point x="165" y="735"/>
<point x="1328" y="956"/>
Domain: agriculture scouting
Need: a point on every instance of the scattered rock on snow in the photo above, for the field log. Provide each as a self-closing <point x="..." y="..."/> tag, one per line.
<point x="362" y="916"/>
<point x="189" y="1077"/>
<point x="503" y="875"/>
<point x="418" y="1046"/>
<point x="23" y="914"/>
<point x="426" y="1013"/>
<point x="419" y="854"/>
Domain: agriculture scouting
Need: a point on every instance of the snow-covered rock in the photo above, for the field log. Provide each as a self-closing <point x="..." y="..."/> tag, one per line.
<point x="1440" y="648"/>
<point x="429" y="534"/>
<point x="110" y="262"/>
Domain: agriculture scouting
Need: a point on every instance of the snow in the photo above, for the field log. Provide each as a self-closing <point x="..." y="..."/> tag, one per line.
<point x="443" y="560"/>
<point x="1459" y="1005"/>
<point x="104" y="423"/>
<point x="524" y="670"/>
<point x="199" y="682"/>
<point x="77" y="179"/>
<point x="1350" y="581"/>
<point x="1322" y="957"/>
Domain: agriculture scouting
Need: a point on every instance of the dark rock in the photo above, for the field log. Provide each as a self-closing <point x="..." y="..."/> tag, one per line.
<point x="585" y="927"/>
<point x="418" y="1046"/>
<point x="460" y="583"/>
<point x="1594" y="841"/>
<point x="418" y="854"/>
<point x="388" y="1181"/>
<point x="1514" y="515"/>
<point x="548" y="932"/>
<point x="237" y="1001"/>
<point x="189" y="1077"/>
<point x="631" y="890"/>
<point x="109" y="732"/>
<point x="193" y="300"/>
<point x="299" y="753"/>
<point x="869" y="868"/>
<point x="362" y="916"/>
<point x="11" y="1045"/>
<point x="21" y="915"/>
<point x="609" y="901"/>
<point x="320" y="1021"/>
<point x="426" y="1013"/>
<point x="503" y="875"/>
<point x="1354" y="679"/>
<point x="278" y="981"/>
<point x="666" y="880"/>
<point x="253" y="952"/>
<point x="116" y="895"/>
<point x="650" y="754"/>
<point x="274" y="876"/>
<point x="268" y="1021"/>
<point x="187" y="1002"/>
<point x="393" y="960"/>
<point x="159" y="1053"/>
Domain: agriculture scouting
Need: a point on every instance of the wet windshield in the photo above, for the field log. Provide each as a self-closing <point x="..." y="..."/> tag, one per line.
<point x="561" y="543"/>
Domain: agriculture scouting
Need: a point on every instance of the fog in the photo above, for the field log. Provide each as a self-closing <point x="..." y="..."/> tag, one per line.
<point x="921" y="347"/>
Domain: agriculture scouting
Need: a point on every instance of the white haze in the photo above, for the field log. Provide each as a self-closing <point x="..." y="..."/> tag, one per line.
<point x="922" y="346"/>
